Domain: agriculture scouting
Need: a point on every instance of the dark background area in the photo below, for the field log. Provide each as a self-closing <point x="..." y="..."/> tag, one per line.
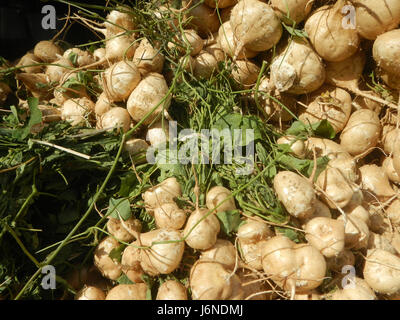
<point x="21" y="26"/>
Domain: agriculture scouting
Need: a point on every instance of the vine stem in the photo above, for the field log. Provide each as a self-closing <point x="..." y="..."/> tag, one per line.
<point x="51" y="257"/>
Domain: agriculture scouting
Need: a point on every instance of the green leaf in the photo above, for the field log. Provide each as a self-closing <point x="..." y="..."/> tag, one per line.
<point x="322" y="128"/>
<point x="149" y="281"/>
<point x="35" y="117"/>
<point x="15" y="114"/>
<point x="129" y="183"/>
<point x="295" y="32"/>
<point x="73" y="57"/>
<point x="230" y="221"/>
<point x="116" y="253"/>
<point x="290" y="233"/>
<point x="119" y="208"/>
<point x="305" y="166"/>
<point x="123" y="279"/>
<point x="235" y="121"/>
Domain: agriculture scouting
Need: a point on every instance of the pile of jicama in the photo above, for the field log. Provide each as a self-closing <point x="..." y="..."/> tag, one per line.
<point x="316" y="70"/>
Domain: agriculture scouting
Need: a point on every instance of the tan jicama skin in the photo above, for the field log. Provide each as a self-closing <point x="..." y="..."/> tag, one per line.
<point x="344" y="258"/>
<point x="211" y="281"/>
<point x="124" y="231"/>
<point x="119" y="47"/>
<point x="216" y="50"/>
<point x="382" y="271"/>
<point x="148" y="58"/>
<point x="331" y="41"/>
<point x="201" y="229"/>
<point x="297" y="146"/>
<point x="390" y="140"/>
<point x="296" y="194"/>
<point x="375" y="180"/>
<point x="120" y="20"/>
<point x="103" y="104"/>
<point x="90" y="293"/>
<point x="394" y="238"/>
<point x="312" y="295"/>
<point x="205" y="65"/>
<point x="116" y="117"/>
<point x="165" y="192"/>
<point x="327" y="235"/>
<point x="136" y="147"/>
<point x="120" y="79"/>
<point x="4" y="91"/>
<point x="137" y="291"/>
<point x="321" y="210"/>
<point x="32" y="82"/>
<point x="119" y="43"/>
<point x="245" y="73"/>
<point x="77" y="111"/>
<point x="361" y="133"/>
<point x="151" y="92"/>
<point x="375" y="17"/>
<point x="109" y="268"/>
<point x="329" y="103"/>
<point x="83" y="58"/>
<point x="356" y="289"/>
<point x="228" y="43"/>
<point x="30" y="59"/>
<point x="297" y="267"/>
<point x="377" y="241"/>
<point x="191" y="41"/>
<point x="87" y="276"/>
<point x="158" y="133"/>
<point x="326" y="148"/>
<point x="346" y="74"/>
<point x="55" y="73"/>
<point x="268" y="96"/>
<point x="253" y="287"/>
<point x="347" y="167"/>
<point x="172" y="290"/>
<point x="255" y="26"/>
<point x="203" y="18"/>
<point x="387" y="166"/>
<point x="396" y="159"/>
<point x="165" y="252"/>
<point x="392" y="80"/>
<point x="252" y="236"/>
<point x="359" y="212"/>
<point x="298" y="69"/>
<point x="336" y="190"/>
<point x="99" y="54"/>
<point x="47" y="51"/>
<point x="169" y="216"/>
<point x="222" y="252"/>
<point x="385" y="51"/>
<point x="393" y="212"/>
<point x="356" y="233"/>
<point x="130" y="263"/>
<point x="218" y="196"/>
<point x="362" y="102"/>
<point x="292" y="10"/>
